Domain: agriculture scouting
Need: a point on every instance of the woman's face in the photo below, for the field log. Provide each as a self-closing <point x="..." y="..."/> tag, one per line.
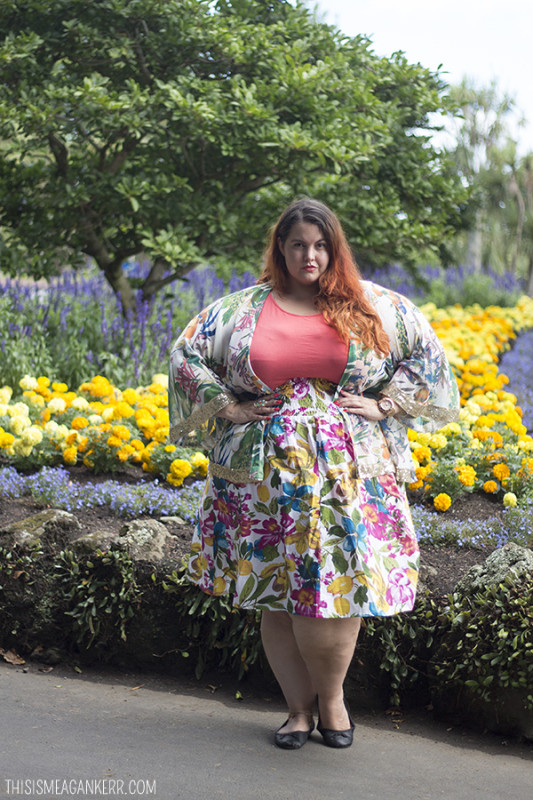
<point x="306" y="255"/>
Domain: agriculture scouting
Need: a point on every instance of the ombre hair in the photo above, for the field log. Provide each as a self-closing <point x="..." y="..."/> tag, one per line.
<point x="341" y="297"/>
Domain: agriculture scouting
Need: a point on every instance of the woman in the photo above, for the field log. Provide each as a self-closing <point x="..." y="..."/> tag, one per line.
<point x="304" y="387"/>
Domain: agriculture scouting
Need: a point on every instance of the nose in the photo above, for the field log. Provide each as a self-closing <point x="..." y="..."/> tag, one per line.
<point x="310" y="253"/>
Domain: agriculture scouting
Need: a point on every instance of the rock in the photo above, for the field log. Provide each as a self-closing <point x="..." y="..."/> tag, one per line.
<point x="50" y="524"/>
<point x="172" y="520"/>
<point x="98" y="540"/>
<point x="145" y="540"/>
<point x="509" y="560"/>
<point x="427" y="576"/>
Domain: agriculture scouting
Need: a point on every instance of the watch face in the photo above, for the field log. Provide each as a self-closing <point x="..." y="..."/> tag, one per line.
<point x="385" y="405"/>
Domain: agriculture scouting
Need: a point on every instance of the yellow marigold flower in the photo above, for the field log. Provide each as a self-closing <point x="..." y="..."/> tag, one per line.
<point x="510" y="500"/>
<point x="130" y="396"/>
<point x="438" y="441"/>
<point x="137" y="445"/>
<point x="70" y="455"/>
<point x="108" y="413"/>
<point x="442" y="502"/>
<point x="170" y="448"/>
<point x="423" y="438"/>
<point x="114" y="441"/>
<point x="60" y="387"/>
<point x="43" y="381"/>
<point x="123" y="454"/>
<point x="412" y="435"/>
<point x="422" y="454"/>
<point x="490" y="487"/>
<point x="200" y="463"/>
<point x="415" y="485"/>
<point x="501" y="471"/>
<point x="121" y="431"/>
<point x="180" y="468"/>
<point x="466" y="474"/>
<point x="83" y="443"/>
<point x="6" y="439"/>
<point x="161" y="434"/>
<point x="78" y="423"/>
<point x="123" y="410"/>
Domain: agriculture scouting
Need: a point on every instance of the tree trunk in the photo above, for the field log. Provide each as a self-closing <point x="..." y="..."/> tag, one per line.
<point x="475" y="244"/>
<point x="120" y="284"/>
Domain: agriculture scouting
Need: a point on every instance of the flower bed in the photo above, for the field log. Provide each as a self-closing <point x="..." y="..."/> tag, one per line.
<point x="45" y="423"/>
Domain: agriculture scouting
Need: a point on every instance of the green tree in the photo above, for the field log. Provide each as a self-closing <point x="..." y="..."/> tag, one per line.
<point x="499" y="216"/>
<point x="179" y="128"/>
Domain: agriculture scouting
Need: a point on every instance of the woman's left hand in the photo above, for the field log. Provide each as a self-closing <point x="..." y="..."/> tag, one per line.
<point x="358" y="404"/>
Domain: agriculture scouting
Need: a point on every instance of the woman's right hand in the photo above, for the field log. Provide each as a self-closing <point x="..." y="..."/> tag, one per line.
<point x="256" y="410"/>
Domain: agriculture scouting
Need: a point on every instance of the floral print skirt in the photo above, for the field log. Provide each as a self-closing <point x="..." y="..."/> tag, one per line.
<point x="312" y="538"/>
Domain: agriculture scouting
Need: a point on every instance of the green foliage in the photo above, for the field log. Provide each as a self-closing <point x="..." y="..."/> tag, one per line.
<point x="172" y="126"/>
<point x="101" y="595"/>
<point x="213" y="629"/>
<point x="403" y="644"/>
<point x="485" y="642"/>
<point x="478" y="289"/>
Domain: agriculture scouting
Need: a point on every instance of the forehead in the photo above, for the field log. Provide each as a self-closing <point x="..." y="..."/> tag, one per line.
<point x="305" y="231"/>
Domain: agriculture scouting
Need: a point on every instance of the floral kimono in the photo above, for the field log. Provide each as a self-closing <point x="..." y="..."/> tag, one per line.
<point x="306" y="512"/>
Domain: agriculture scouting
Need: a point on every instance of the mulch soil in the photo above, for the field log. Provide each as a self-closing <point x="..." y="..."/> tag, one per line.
<point x="447" y="563"/>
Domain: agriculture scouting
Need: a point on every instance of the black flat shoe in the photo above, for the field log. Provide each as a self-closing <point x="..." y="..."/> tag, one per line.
<point x="295" y="740"/>
<point x="337" y="738"/>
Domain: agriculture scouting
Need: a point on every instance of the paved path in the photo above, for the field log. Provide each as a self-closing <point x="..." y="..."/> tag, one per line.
<point x="110" y="734"/>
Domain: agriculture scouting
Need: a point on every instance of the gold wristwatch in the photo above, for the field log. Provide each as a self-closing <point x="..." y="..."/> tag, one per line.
<point x="386" y="406"/>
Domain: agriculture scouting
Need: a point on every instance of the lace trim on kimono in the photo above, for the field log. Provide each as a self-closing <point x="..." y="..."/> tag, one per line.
<point x="239" y="475"/>
<point x="414" y="409"/>
<point x="200" y="416"/>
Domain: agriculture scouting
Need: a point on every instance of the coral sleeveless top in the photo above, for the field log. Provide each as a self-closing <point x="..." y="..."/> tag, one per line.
<point x="286" y="346"/>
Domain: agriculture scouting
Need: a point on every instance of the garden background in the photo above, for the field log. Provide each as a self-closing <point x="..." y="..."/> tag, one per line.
<point x="146" y="147"/>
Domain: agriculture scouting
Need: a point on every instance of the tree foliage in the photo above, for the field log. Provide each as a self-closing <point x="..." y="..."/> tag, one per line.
<point x="499" y="216"/>
<point x="180" y="128"/>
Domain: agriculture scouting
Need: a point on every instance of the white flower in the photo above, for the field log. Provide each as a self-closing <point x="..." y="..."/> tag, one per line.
<point x="19" y="424"/>
<point x="51" y="427"/>
<point x="107" y="414"/>
<point x="57" y="405"/>
<point x="28" y="383"/>
<point x="95" y="419"/>
<point x="18" y="410"/>
<point x="22" y="449"/>
<point x="80" y="404"/>
<point x="160" y="378"/>
<point x="5" y="394"/>
<point x="32" y="435"/>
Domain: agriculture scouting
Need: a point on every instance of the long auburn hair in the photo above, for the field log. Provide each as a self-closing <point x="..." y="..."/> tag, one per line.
<point x="341" y="298"/>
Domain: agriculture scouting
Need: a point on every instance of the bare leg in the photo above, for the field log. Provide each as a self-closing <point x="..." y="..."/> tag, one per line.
<point x="288" y="667"/>
<point x="310" y="657"/>
<point x="327" y="647"/>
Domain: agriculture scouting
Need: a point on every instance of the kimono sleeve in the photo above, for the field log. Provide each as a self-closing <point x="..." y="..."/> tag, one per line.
<point x="196" y="390"/>
<point x="422" y="382"/>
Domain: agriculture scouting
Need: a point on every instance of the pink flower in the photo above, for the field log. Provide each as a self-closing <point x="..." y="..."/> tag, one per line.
<point x="400" y="591"/>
